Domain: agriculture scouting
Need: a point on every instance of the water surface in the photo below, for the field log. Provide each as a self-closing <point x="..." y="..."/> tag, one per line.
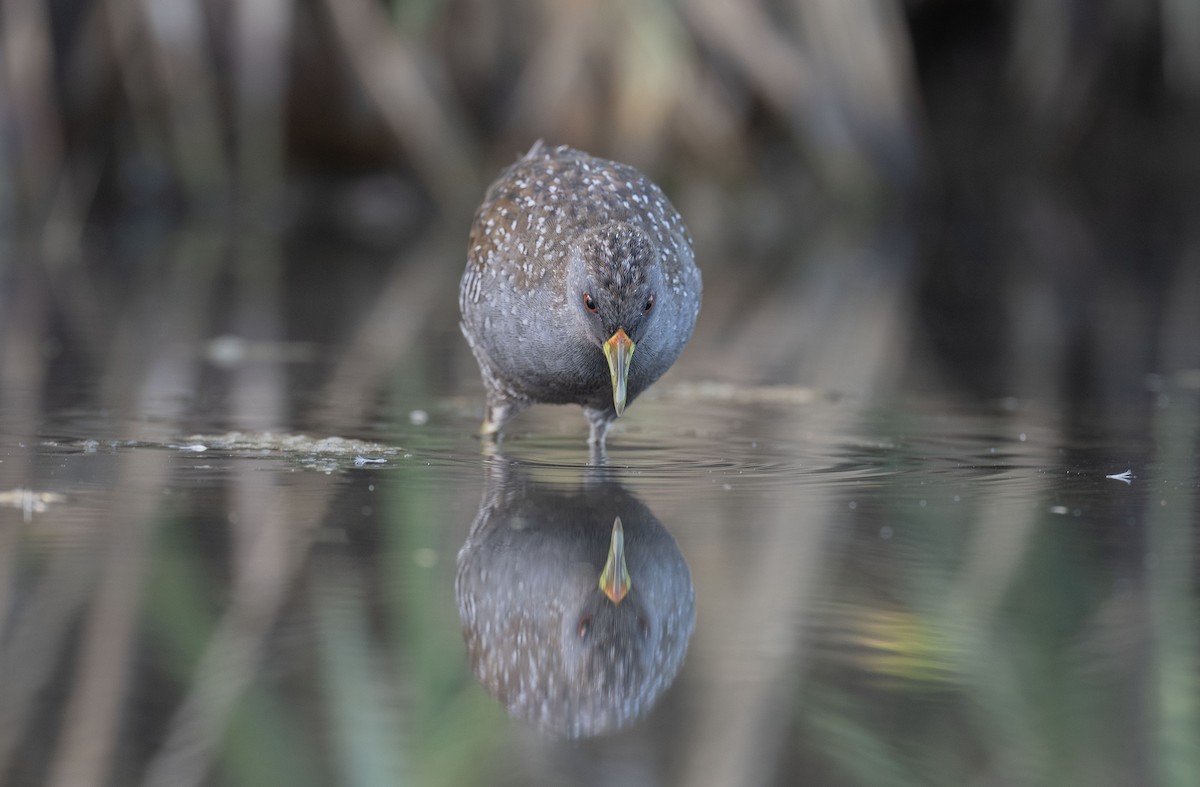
<point x="825" y="591"/>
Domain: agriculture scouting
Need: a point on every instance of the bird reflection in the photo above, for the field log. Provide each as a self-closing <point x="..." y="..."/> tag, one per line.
<point x="576" y="603"/>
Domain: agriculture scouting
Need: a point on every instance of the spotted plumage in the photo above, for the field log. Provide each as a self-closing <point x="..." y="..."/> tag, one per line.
<point x="542" y="637"/>
<point x="566" y="251"/>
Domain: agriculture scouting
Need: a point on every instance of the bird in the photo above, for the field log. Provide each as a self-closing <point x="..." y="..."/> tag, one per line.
<point x="581" y="287"/>
<point x="576" y="604"/>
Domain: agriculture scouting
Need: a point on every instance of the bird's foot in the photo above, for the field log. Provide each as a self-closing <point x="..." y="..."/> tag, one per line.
<point x="495" y="415"/>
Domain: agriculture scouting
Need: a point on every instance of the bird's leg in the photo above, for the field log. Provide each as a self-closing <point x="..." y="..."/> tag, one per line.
<point x="496" y="414"/>
<point x="597" y="454"/>
<point x="597" y="434"/>
<point x="598" y="422"/>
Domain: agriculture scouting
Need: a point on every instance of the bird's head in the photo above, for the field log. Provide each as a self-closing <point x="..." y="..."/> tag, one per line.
<point x="613" y="282"/>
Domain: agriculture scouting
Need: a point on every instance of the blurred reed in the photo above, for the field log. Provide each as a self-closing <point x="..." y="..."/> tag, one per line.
<point x="960" y="139"/>
<point x="200" y="100"/>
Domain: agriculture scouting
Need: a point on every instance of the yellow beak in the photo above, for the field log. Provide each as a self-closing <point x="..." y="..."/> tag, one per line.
<point x="614" y="580"/>
<point x="619" y="350"/>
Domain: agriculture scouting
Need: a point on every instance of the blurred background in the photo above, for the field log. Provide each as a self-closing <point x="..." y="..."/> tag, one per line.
<point x="944" y="242"/>
<point x="983" y="197"/>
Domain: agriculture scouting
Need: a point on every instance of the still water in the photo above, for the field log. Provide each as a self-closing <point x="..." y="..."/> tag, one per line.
<point x="821" y="591"/>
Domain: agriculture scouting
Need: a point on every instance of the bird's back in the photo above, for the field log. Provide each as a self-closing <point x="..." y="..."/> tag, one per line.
<point x="544" y="202"/>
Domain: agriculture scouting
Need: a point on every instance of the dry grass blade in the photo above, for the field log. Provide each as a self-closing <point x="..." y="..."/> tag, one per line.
<point x="28" y="53"/>
<point x="555" y="93"/>
<point x="770" y="62"/>
<point x="420" y="116"/>
<point x="862" y="53"/>
<point x="179" y="50"/>
<point x="263" y="30"/>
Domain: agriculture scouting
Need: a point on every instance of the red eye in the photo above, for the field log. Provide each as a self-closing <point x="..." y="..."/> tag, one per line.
<point x="585" y="623"/>
<point x="588" y="303"/>
<point x="649" y="303"/>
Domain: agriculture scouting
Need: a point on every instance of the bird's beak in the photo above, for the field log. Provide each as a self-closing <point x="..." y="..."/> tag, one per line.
<point x="614" y="581"/>
<point x="618" y="350"/>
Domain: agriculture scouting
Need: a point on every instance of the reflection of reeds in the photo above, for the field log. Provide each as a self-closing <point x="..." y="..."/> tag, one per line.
<point x="1173" y="709"/>
<point x="150" y="379"/>
<point x="1072" y="669"/>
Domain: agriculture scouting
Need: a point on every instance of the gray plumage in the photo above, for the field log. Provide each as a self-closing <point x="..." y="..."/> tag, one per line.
<point x="541" y="637"/>
<point x="557" y="232"/>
